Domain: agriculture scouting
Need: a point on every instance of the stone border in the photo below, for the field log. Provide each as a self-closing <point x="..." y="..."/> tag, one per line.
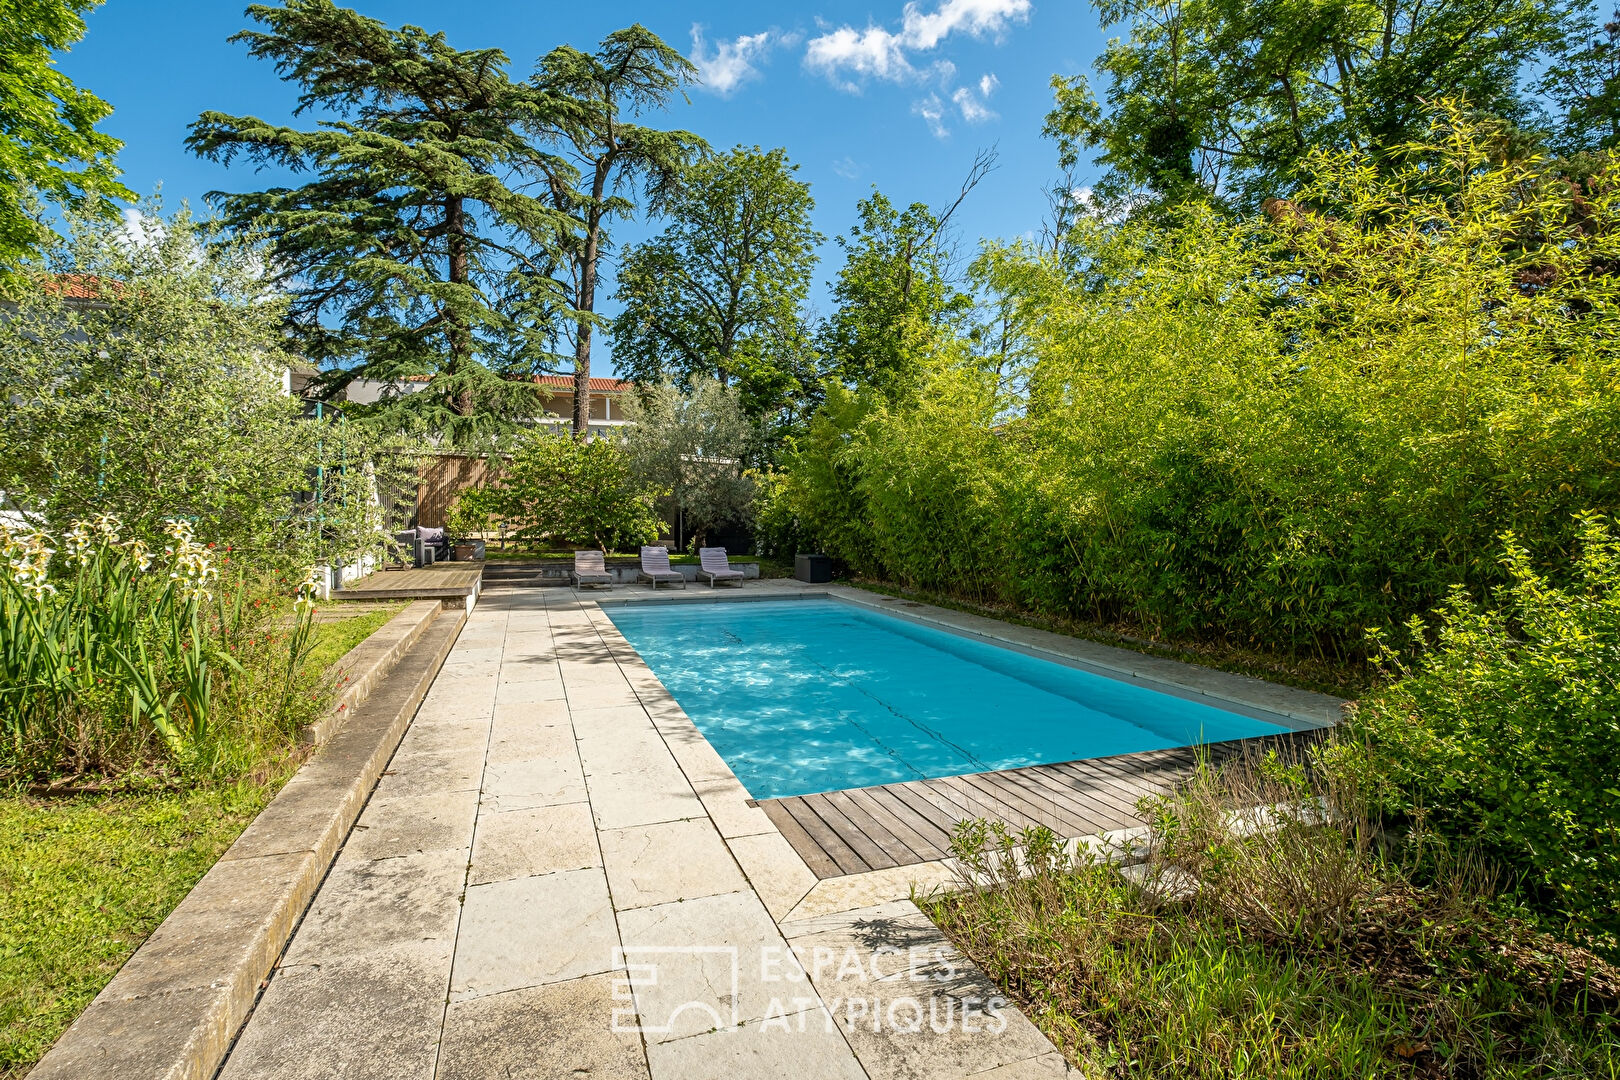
<point x="364" y="666"/>
<point x="173" y="1009"/>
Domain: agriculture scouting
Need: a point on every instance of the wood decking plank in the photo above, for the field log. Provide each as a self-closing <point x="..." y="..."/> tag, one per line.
<point x="910" y="822"/>
<point x="1096" y="787"/>
<point x="1105" y="814"/>
<point x="996" y="807"/>
<point x="1086" y="818"/>
<point x="873" y="829"/>
<point x="870" y="852"/>
<point x="815" y="857"/>
<point x="825" y="836"/>
<point x="918" y="842"/>
<point x="1019" y="800"/>
<point x="926" y="804"/>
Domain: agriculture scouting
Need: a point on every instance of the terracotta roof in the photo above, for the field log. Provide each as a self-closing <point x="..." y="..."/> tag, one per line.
<point x="561" y="382"/>
<point x="566" y="382"/>
<point x="81" y="286"/>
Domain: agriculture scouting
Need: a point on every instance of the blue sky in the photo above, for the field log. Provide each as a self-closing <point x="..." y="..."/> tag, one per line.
<point x="886" y="93"/>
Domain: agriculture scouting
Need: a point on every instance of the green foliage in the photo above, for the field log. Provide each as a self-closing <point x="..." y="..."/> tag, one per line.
<point x="601" y="154"/>
<point x="416" y="250"/>
<point x="696" y="448"/>
<point x="718" y="293"/>
<point x="1278" y="432"/>
<point x="48" y="138"/>
<point x="1504" y="734"/>
<point x="816" y="503"/>
<point x="1583" y="81"/>
<point x="1227" y="100"/>
<point x="471" y="513"/>
<point x="116" y="663"/>
<point x="894" y="295"/>
<point x="561" y="490"/>
<point x="143" y="377"/>
<point x="1285" y="951"/>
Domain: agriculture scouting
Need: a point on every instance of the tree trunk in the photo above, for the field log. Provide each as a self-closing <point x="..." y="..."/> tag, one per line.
<point x="460" y="338"/>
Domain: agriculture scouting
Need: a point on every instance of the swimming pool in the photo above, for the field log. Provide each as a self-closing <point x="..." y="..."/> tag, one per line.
<point x="801" y="696"/>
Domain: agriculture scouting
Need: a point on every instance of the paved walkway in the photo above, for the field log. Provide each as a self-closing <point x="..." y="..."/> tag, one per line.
<point x="558" y="877"/>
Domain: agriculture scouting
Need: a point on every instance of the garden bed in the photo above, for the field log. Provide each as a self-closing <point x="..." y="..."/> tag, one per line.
<point x="1261" y="937"/>
<point x="85" y="879"/>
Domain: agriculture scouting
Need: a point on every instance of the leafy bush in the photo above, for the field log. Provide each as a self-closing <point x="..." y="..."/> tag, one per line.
<point x="143" y="377"/>
<point x="1278" y="431"/>
<point x="557" y="489"/>
<point x="1505" y="734"/>
<point x="697" y="447"/>
<point x="129" y="658"/>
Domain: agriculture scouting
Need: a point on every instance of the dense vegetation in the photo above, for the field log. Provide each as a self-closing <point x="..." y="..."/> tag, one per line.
<point x="1285" y="429"/>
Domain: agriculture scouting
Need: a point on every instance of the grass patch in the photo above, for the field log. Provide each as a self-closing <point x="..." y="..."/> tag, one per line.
<point x="335" y="637"/>
<point x="83" y="881"/>
<point x="1285" y="944"/>
<point x="1320" y="676"/>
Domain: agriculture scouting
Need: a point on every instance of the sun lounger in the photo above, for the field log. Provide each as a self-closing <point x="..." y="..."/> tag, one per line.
<point x="589" y="569"/>
<point x="655" y="568"/>
<point x="715" y="568"/>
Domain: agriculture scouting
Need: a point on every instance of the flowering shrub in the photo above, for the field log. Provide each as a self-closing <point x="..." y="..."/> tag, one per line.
<point x="116" y="661"/>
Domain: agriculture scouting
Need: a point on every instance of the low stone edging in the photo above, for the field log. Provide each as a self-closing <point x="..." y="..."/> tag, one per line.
<point x="363" y="666"/>
<point x="175" y="1006"/>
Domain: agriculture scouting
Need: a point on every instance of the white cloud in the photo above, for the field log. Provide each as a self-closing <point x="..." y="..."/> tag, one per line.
<point x="732" y="62"/>
<point x="987" y="84"/>
<point x="846" y="54"/>
<point x="973" y="110"/>
<point x="932" y="110"/>
<point x="847" y="167"/>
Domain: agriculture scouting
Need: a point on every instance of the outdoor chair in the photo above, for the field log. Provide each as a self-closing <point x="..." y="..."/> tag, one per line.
<point x="426" y="545"/>
<point x="715" y="568"/>
<point x="590" y="569"/>
<point x="655" y="568"/>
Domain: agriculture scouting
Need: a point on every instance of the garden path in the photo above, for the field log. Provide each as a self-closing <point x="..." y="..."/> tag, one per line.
<point x="557" y="876"/>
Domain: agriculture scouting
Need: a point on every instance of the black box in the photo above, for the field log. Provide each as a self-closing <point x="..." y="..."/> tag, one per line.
<point x="815" y="569"/>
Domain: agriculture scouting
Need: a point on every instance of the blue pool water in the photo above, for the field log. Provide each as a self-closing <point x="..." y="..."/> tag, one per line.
<point x="817" y="695"/>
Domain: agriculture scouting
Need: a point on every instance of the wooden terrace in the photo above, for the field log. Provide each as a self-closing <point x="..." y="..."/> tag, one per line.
<point x="875" y="828"/>
<point x="441" y="581"/>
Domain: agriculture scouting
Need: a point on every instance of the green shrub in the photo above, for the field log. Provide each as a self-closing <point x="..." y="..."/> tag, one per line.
<point x="1505" y="734"/>
<point x="560" y="490"/>
<point x="1279" y="432"/>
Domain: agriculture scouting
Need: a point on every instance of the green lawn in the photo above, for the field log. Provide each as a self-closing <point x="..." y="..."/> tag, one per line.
<point x="84" y="880"/>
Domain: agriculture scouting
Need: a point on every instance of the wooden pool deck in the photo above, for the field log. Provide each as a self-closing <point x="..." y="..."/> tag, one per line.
<point x="875" y="828"/>
<point x="441" y="581"/>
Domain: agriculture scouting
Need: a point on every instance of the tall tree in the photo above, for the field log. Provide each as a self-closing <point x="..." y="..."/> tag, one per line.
<point x="896" y="291"/>
<point x="1223" y="98"/>
<point x="720" y="291"/>
<point x="604" y="154"/>
<point x="413" y="253"/>
<point x="48" y="139"/>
